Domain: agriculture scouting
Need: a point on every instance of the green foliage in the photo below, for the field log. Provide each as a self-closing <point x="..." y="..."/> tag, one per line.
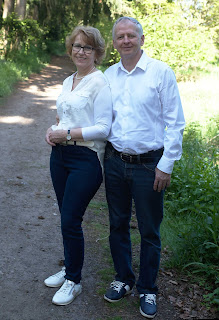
<point x="9" y="76"/>
<point x="195" y="175"/>
<point x="182" y="36"/>
<point x="27" y="50"/>
<point x="60" y="17"/>
<point x="168" y="37"/>
<point x="213" y="297"/>
<point x="20" y="64"/>
<point x="22" y="34"/>
<point x="192" y="203"/>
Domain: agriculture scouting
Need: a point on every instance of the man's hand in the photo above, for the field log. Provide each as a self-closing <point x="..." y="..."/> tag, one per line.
<point x="162" y="180"/>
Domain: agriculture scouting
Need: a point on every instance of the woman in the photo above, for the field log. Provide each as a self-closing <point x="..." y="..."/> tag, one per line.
<point x="84" y="119"/>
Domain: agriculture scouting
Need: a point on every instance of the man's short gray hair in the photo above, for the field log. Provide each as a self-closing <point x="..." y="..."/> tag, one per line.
<point x="133" y="20"/>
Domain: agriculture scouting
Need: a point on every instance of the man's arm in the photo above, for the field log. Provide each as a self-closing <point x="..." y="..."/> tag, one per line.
<point x="175" y="123"/>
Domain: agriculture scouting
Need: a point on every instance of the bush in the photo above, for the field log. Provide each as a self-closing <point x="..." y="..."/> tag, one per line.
<point x="8" y="77"/>
<point x="192" y="203"/>
<point x="27" y="50"/>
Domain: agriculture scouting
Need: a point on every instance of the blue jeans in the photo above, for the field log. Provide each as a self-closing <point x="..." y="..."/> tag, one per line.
<point x="124" y="182"/>
<point x="76" y="175"/>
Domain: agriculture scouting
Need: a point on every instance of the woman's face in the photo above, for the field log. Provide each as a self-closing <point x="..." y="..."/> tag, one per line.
<point x="81" y="58"/>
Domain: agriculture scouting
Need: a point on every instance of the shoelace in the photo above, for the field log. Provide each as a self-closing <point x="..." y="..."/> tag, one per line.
<point x="150" y="298"/>
<point x="66" y="286"/>
<point x="117" y="285"/>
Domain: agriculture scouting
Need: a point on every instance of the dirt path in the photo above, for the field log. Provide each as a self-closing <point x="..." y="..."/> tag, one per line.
<point x="30" y="240"/>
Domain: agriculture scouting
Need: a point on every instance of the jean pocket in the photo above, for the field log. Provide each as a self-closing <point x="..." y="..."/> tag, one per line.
<point x="149" y="166"/>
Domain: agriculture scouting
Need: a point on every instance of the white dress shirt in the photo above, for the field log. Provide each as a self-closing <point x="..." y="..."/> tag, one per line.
<point x="88" y="106"/>
<point x="147" y="110"/>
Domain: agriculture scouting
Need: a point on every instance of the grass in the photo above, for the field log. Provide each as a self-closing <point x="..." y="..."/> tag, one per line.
<point x="191" y="225"/>
<point x="200" y="99"/>
<point x="9" y="76"/>
<point x="20" y="64"/>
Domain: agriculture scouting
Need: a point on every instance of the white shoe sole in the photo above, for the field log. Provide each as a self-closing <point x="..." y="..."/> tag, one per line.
<point x="109" y="300"/>
<point x="147" y="315"/>
<point x="54" y="286"/>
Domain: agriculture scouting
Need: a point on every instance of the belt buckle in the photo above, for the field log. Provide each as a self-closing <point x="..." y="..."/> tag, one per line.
<point x="127" y="155"/>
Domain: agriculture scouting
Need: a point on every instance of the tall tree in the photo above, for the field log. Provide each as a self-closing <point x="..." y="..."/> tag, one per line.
<point x="20" y="8"/>
<point x="8" y="8"/>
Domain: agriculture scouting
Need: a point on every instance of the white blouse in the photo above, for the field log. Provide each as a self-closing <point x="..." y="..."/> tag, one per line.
<point x="88" y="106"/>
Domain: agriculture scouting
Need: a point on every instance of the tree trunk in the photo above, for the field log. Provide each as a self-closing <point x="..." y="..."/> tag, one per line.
<point x="8" y="8"/>
<point x="0" y="8"/>
<point x="35" y="14"/>
<point x="20" y="8"/>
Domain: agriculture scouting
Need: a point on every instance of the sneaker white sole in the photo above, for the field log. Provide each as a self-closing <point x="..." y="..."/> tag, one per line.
<point x="110" y="300"/>
<point x="147" y="315"/>
<point x="68" y="302"/>
<point x="54" y="286"/>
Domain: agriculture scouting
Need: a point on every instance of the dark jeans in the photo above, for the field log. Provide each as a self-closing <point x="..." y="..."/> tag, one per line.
<point x="124" y="182"/>
<point x="76" y="175"/>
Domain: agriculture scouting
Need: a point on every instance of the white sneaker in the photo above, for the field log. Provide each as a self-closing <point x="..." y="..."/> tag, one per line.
<point x="56" y="280"/>
<point x="67" y="293"/>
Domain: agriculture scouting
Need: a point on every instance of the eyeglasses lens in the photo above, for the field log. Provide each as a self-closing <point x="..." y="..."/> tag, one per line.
<point x="86" y="49"/>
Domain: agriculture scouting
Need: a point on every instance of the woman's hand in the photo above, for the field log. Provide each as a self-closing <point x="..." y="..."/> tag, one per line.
<point x="54" y="137"/>
<point x="57" y="136"/>
<point x="47" y="138"/>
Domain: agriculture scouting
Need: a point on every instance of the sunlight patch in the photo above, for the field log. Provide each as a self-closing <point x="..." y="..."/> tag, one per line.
<point x="53" y="107"/>
<point x="16" y="119"/>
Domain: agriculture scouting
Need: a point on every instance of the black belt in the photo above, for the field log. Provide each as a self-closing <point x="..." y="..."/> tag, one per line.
<point x="137" y="158"/>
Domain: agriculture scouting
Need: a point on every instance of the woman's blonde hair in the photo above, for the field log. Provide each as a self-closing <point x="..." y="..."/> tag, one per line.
<point x="91" y="36"/>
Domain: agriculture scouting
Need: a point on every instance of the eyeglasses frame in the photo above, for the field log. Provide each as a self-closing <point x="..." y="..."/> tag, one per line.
<point x="82" y="47"/>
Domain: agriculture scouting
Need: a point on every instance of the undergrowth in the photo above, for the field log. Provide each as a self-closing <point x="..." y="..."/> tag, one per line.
<point x="23" y="62"/>
<point x="191" y="224"/>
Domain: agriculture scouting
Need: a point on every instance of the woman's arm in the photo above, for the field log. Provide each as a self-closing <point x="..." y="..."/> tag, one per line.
<point x="59" y="136"/>
<point x="102" y="117"/>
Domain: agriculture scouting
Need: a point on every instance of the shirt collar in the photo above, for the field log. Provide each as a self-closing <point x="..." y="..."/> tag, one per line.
<point x="142" y="63"/>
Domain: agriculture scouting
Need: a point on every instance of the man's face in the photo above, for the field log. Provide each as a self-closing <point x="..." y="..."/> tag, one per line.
<point x="127" y="40"/>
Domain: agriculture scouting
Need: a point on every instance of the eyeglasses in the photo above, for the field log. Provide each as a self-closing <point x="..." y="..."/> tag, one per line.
<point x="86" y="49"/>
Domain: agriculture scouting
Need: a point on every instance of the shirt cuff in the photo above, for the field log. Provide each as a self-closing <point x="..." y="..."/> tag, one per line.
<point x="54" y="127"/>
<point x="165" y="165"/>
<point x="86" y="133"/>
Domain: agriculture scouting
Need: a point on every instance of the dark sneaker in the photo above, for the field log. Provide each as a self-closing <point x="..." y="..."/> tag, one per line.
<point x="148" y="306"/>
<point x="117" y="291"/>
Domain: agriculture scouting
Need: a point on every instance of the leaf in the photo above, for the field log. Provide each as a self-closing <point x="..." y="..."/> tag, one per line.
<point x="179" y="304"/>
<point x="184" y="316"/>
<point x="169" y="273"/>
<point x="173" y="282"/>
<point x="172" y="299"/>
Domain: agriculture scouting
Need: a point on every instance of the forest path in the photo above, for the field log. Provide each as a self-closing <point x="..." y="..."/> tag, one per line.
<point x="30" y="238"/>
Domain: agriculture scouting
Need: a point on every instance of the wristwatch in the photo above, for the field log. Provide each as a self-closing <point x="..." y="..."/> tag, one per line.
<point x="68" y="137"/>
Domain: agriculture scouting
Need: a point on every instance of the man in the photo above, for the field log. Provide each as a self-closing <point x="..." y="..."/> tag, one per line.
<point x="144" y="142"/>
